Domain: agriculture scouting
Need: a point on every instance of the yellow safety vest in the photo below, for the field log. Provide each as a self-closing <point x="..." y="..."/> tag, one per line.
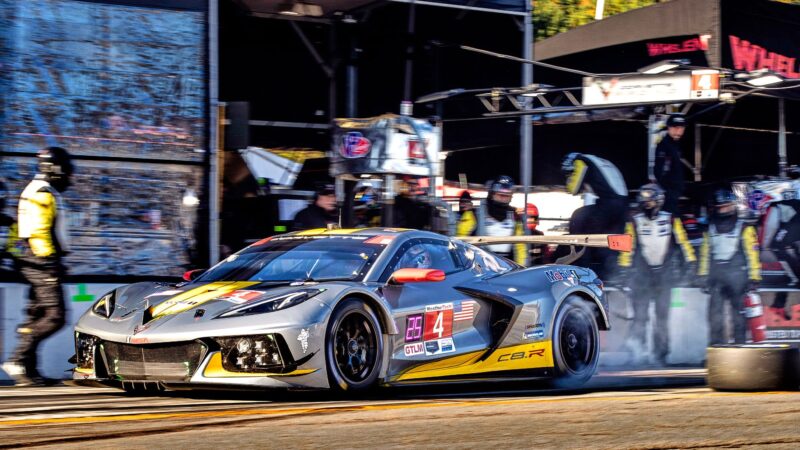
<point x="40" y="219"/>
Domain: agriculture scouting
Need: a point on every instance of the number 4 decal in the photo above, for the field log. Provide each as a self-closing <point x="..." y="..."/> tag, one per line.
<point x="438" y="324"/>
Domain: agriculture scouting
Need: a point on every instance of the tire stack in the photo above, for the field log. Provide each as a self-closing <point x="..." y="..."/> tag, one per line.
<point x="753" y="367"/>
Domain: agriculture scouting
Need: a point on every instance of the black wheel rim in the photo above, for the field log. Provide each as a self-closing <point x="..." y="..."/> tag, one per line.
<point x="577" y="339"/>
<point x="355" y="347"/>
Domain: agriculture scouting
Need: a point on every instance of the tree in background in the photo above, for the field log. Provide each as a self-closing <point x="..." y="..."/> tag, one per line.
<point x="555" y="16"/>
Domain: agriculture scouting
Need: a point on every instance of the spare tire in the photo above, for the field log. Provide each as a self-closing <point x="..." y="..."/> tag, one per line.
<point x="753" y="367"/>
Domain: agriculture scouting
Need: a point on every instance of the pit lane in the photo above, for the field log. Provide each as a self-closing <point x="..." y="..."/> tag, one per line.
<point x="634" y="409"/>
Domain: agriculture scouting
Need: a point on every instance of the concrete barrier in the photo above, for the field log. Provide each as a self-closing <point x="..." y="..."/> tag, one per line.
<point x="58" y="348"/>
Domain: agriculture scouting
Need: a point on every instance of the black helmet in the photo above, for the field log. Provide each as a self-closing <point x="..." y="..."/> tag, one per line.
<point x="568" y="163"/>
<point x="323" y="188"/>
<point x="723" y="203"/>
<point x="55" y="164"/>
<point x="503" y="183"/>
<point x="676" y="120"/>
<point x="650" y="199"/>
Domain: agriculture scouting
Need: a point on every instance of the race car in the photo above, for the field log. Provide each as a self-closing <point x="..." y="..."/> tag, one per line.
<point x="348" y="310"/>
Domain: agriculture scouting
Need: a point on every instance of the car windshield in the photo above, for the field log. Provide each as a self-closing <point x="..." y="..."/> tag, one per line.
<point x="317" y="258"/>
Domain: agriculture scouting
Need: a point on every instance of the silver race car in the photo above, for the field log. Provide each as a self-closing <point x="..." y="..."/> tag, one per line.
<point x="349" y="309"/>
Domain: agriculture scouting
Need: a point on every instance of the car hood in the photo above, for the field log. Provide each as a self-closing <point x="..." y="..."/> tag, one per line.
<point x="214" y="298"/>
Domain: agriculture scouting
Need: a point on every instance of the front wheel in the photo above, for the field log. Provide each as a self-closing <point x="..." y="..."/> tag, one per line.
<point x="575" y="343"/>
<point x="353" y="346"/>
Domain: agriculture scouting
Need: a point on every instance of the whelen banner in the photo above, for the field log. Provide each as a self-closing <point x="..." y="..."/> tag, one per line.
<point x="637" y="89"/>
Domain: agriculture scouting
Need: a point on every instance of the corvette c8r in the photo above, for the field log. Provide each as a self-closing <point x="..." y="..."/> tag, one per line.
<point x="348" y="309"/>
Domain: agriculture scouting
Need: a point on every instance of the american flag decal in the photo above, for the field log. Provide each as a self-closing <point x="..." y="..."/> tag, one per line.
<point x="464" y="310"/>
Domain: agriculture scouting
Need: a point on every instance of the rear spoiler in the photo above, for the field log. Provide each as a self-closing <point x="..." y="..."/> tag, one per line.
<point x="617" y="242"/>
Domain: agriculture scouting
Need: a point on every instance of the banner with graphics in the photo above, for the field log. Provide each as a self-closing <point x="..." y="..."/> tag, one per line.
<point x="123" y="88"/>
<point x="762" y="35"/>
<point x="387" y="144"/>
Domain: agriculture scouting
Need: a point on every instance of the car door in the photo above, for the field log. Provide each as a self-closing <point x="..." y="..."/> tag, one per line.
<point x="436" y="321"/>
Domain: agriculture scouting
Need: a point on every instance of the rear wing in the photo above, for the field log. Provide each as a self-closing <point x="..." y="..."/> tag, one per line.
<point x="617" y="242"/>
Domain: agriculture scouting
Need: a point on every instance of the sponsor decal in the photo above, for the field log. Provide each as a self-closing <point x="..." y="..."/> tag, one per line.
<point x="414" y="328"/>
<point x="431" y="347"/>
<point x="689" y="45"/>
<point x="303" y="338"/>
<point x="758" y="199"/>
<point x="438" y="323"/>
<point x="464" y="310"/>
<point x="163" y="293"/>
<point x="241" y="296"/>
<point x="440" y="307"/>
<point x="533" y="331"/>
<point x="562" y="275"/>
<point x="380" y="240"/>
<point x="536" y="352"/>
<point x="417" y="348"/>
<point x="355" y="145"/>
<point x="138" y="340"/>
<point x="440" y="346"/>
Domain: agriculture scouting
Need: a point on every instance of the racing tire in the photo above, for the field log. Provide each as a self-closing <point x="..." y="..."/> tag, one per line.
<point x="576" y="343"/>
<point x="353" y="347"/>
<point x="753" y="367"/>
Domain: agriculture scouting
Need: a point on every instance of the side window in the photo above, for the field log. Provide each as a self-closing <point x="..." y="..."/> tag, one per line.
<point x="466" y="254"/>
<point x="425" y="254"/>
<point x="491" y="263"/>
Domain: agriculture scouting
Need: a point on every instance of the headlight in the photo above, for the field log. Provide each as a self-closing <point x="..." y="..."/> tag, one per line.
<point x="271" y="304"/>
<point x="250" y="353"/>
<point x="105" y="306"/>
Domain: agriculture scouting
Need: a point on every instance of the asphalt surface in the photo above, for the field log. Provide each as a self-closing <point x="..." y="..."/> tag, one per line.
<point x="635" y="409"/>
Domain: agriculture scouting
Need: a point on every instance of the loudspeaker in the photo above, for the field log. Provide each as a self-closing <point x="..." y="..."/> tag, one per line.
<point x="237" y="133"/>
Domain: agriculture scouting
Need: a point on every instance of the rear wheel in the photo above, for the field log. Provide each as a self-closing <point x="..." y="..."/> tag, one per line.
<point x="354" y="346"/>
<point x="575" y="342"/>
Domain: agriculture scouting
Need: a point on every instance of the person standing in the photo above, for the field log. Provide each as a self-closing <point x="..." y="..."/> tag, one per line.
<point x="42" y="243"/>
<point x="729" y="266"/>
<point x="319" y="214"/>
<point x="467" y="223"/>
<point x="607" y="215"/>
<point x="649" y="269"/>
<point x="411" y="210"/>
<point x="499" y="218"/>
<point x="668" y="168"/>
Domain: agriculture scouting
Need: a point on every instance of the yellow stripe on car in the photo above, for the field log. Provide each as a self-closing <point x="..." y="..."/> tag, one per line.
<point x="197" y="296"/>
<point x="538" y="355"/>
<point x="325" y="231"/>
<point x="310" y="232"/>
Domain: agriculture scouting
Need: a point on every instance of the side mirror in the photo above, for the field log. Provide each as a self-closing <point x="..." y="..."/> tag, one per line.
<point x="401" y="276"/>
<point x="191" y="275"/>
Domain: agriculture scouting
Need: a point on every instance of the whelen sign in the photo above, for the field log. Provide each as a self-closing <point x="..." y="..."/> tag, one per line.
<point x="640" y="88"/>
